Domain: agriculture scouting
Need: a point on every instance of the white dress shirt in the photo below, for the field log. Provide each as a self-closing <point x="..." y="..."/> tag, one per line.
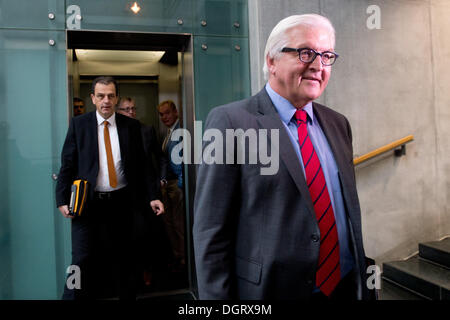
<point x="103" y="176"/>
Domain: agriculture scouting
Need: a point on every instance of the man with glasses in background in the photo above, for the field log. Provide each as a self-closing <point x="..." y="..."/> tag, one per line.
<point x="151" y="238"/>
<point x="294" y="234"/>
<point x="127" y="107"/>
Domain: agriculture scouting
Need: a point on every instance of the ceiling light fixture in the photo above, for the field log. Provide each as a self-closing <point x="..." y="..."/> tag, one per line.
<point x="135" y="8"/>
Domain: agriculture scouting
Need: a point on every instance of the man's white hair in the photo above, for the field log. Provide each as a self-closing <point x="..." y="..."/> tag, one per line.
<point x="278" y="37"/>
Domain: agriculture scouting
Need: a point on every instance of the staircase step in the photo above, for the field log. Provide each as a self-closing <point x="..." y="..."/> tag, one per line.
<point x="430" y="280"/>
<point x="393" y="291"/>
<point x="436" y="251"/>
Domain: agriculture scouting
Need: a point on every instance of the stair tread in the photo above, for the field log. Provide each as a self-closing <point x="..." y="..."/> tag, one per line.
<point x="419" y="268"/>
<point x="392" y="291"/>
<point x="443" y="245"/>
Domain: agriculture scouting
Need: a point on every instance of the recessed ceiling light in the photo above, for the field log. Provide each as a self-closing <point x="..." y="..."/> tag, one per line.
<point x="135" y="8"/>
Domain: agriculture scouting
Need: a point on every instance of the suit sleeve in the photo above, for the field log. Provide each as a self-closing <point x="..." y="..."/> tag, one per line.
<point x="152" y="180"/>
<point x="154" y="151"/>
<point x="215" y="210"/>
<point x="68" y="171"/>
<point x="149" y="141"/>
<point x="143" y="175"/>
<point x="164" y="163"/>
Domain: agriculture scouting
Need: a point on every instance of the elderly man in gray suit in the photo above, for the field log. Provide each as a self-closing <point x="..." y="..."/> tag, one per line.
<point x="294" y="234"/>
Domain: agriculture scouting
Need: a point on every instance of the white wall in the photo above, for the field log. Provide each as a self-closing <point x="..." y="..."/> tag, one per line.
<point x="390" y="83"/>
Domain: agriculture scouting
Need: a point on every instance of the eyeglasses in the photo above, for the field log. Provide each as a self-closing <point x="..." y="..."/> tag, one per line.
<point x="129" y="109"/>
<point x="307" y="55"/>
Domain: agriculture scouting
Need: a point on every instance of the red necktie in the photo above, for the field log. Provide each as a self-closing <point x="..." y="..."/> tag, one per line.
<point x="328" y="271"/>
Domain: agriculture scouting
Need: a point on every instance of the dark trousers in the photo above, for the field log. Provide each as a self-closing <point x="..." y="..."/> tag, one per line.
<point x="174" y="218"/>
<point x="152" y="244"/>
<point x="103" y="249"/>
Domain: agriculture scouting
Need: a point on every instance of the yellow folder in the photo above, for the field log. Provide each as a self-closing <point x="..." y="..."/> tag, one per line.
<point x="78" y="197"/>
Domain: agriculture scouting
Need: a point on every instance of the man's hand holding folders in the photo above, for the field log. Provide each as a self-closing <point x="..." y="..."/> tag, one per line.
<point x="78" y="198"/>
<point x="65" y="211"/>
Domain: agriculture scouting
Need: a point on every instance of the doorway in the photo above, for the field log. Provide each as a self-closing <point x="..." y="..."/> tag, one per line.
<point x="150" y="68"/>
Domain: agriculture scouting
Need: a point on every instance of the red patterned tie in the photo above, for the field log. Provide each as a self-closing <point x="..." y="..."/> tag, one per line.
<point x="328" y="272"/>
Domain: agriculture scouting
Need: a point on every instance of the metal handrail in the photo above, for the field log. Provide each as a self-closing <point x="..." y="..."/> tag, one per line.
<point x="386" y="148"/>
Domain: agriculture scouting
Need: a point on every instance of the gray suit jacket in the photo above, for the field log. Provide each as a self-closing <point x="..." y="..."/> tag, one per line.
<point x="255" y="236"/>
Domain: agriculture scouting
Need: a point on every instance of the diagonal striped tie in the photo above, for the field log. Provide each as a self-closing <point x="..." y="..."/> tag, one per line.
<point x="328" y="272"/>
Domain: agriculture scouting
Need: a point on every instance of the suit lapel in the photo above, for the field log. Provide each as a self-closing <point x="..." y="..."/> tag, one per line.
<point x="330" y="131"/>
<point x="270" y="119"/>
<point x="93" y="125"/>
<point x="122" y="131"/>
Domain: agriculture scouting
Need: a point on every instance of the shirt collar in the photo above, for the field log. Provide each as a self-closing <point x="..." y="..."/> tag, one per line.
<point x="111" y="120"/>
<point x="174" y="125"/>
<point x="284" y="108"/>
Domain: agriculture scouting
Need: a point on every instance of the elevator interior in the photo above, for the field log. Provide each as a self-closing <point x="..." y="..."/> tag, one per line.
<point x="150" y="68"/>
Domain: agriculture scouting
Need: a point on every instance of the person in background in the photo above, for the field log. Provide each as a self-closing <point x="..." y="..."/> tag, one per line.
<point x="150" y="233"/>
<point x="78" y="107"/>
<point x="127" y="107"/>
<point x="171" y="175"/>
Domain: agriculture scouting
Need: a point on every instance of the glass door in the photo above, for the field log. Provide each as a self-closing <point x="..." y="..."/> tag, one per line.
<point x="33" y="121"/>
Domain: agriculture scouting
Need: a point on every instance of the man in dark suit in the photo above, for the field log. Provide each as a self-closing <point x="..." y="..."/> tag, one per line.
<point x="105" y="149"/>
<point x="127" y="107"/>
<point x="150" y="235"/>
<point x="294" y="233"/>
<point x="172" y="187"/>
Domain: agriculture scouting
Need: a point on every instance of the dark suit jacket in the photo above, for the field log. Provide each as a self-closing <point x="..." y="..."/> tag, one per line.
<point x="153" y="154"/>
<point x="255" y="236"/>
<point x="80" y="159"/>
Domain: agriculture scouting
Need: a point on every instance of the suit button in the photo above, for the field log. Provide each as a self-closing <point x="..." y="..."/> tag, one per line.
<point x="315" y="238"/>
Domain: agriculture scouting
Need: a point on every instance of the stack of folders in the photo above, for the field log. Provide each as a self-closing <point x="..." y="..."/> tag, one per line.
<point x="78" y="197"/>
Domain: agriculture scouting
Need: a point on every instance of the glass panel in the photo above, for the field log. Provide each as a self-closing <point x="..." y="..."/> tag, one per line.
<point x="32" y="15"/>
<point x="155" y="15"/>
<point x="221" y="72"/>
<point x="33" y="121"/>
<point x="221" y="17"/>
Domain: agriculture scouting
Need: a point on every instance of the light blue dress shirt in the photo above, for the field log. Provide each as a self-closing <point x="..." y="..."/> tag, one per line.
<point x="286" y="112"/>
